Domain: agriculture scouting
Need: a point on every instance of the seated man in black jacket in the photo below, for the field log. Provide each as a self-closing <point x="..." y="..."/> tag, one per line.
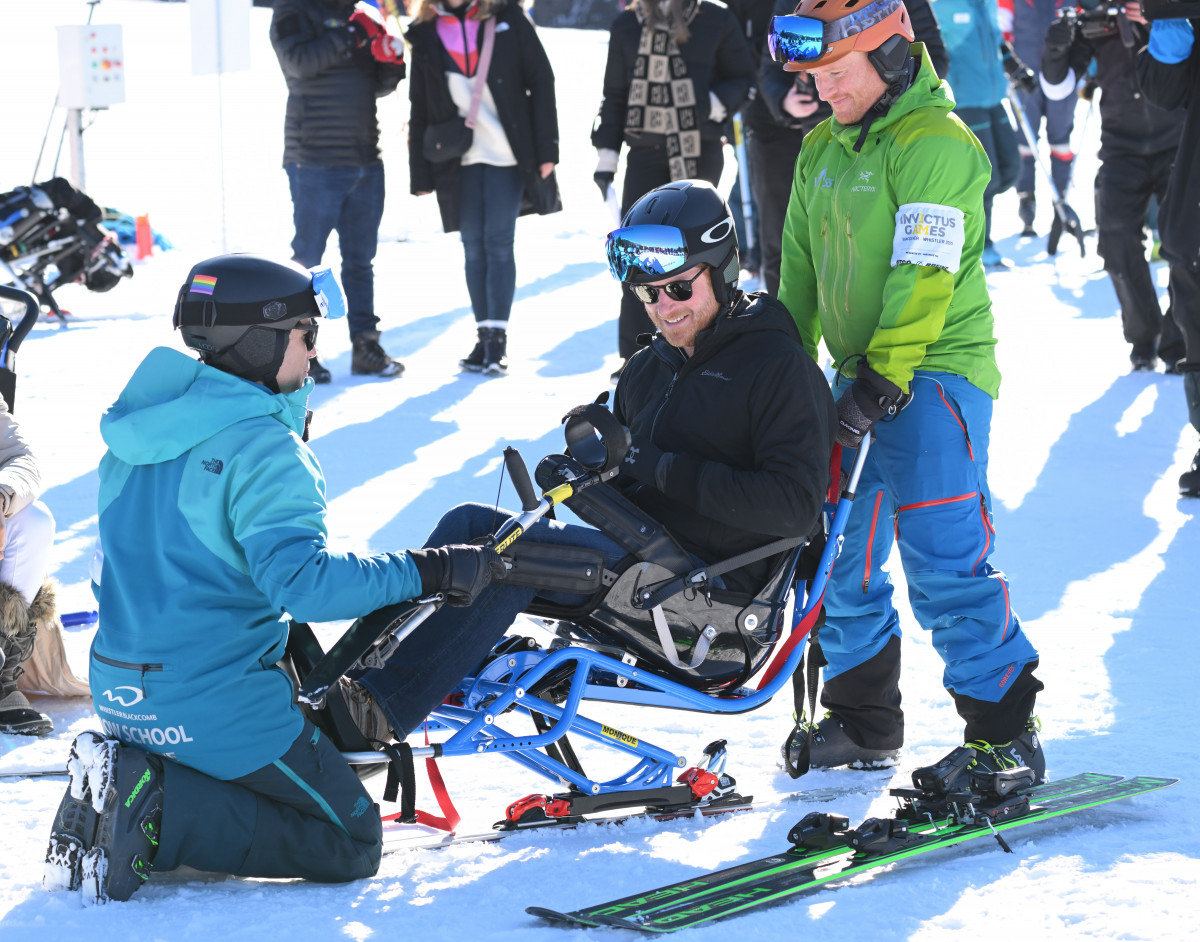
<point x="731" y="423"/>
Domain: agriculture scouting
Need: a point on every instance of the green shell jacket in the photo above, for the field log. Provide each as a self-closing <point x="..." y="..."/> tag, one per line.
<point x="881" y="246"/>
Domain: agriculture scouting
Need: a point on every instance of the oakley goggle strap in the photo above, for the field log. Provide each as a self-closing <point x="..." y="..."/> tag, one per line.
<point x="796" y="38"/>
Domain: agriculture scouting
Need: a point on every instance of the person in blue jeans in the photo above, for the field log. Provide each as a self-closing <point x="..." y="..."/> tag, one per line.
<point x="483" y="57"/>
<point x="337" y="61"/>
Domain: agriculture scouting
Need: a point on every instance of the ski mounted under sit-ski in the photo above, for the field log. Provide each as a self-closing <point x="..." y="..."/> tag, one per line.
<point x="824" y="849"/>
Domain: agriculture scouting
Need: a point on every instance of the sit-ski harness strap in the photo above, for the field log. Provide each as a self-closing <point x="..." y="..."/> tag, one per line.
<point x="652" y="597"/>
<point x="401" y="777"/>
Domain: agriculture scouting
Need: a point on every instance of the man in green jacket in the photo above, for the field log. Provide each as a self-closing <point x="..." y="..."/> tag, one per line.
<point x="881" y="258"/>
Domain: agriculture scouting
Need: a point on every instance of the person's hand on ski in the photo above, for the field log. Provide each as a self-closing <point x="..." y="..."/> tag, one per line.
<point x="869" y="398"/>
<point x="459" y="572"/>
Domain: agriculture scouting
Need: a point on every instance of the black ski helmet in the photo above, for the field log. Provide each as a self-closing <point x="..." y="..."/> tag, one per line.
<point x="709" y="237"/>
<point x="237" y="311"/>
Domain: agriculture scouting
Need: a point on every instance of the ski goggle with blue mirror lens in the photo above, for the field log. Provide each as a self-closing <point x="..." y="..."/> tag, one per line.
<point x="651" y="251"/>
<point x="796" y="38"/>
<point x="331" y="300"/>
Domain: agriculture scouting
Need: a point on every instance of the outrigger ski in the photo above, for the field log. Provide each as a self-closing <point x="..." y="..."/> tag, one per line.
<point x="417" y="837"/>
<point x="825" y="849"/>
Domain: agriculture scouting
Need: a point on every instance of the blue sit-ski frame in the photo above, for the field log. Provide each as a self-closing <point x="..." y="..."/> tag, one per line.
<point x="505" y="683"/>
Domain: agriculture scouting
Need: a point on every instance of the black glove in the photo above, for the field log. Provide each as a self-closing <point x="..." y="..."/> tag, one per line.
<point x="604" y="181"/>
<point x="1072" y="226"/>
<point x="458" y="572"/>
<point x="1017" y="71"/>
<point x="1060" y="35"/>
<point x="641" y="461"/>
<point x="869" y="398"/>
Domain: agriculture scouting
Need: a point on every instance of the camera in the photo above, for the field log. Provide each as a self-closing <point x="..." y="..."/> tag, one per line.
<point x="1096" y="20"/>
<point x="1171" y="9"/>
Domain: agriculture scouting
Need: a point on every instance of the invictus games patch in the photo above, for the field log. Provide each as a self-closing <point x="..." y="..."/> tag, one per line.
<point x="928" y="234"/>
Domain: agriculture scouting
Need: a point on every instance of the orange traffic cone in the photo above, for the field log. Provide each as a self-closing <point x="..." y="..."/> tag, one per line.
<point x="145" y="237"/>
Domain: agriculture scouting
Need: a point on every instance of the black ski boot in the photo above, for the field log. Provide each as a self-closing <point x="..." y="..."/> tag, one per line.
<point x="127" y="792"/>
<point x="473" y="361"/>
<point x="17" y="636"/>
<point x="74" y="830"/>
<point x="953" y="771"/>
<point x="833" y="746"/>
<point x="1142" y="357"/>
<point x="1026" y="210"/>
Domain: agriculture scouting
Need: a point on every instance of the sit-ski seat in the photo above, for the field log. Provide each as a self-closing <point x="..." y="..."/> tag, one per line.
<point x="709" y="639"/>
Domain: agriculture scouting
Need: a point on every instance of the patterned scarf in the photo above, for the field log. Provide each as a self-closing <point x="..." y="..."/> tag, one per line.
<point x="662" y="99"/>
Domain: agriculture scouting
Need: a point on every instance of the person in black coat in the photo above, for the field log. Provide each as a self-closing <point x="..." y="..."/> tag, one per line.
<point x="675" y="73"/>
<point x="500" y="169"/>
<point x="1138" y="141"/>
<point x="337" y="61"/>
<point x="1169" y="72"/>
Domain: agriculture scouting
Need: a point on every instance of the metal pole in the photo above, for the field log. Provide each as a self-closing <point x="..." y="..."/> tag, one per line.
<point x="75" y="136"/>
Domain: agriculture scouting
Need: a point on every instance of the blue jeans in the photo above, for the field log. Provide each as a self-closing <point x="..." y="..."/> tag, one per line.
<point x="491" y="201"/>
<point x="453" y="641"/>
<point x="350" y="200"/>
<point x="924" y="485"/>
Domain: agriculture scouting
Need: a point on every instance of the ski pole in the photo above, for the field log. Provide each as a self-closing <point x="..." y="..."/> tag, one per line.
<point x="739" y="148"/>
<point x="1067" y="217"/>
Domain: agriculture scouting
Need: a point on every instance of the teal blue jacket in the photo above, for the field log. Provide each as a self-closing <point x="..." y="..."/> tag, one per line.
<point x="212" y="527"/>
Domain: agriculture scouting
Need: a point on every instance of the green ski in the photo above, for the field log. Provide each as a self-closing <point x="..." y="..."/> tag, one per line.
<point x="827" y="851"/>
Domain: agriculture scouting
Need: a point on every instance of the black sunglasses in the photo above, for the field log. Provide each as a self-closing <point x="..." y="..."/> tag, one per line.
<point x="675" y="290"/>
<point x="310" y="336"/>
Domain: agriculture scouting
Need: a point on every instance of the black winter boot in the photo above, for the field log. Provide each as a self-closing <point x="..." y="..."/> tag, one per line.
<point x="17" y="635"/>
<point x="1026" y="210"/>
<point x="74" y="830"/>
<point x="495" y="350"/>
<point x="473" y="361"/>
<point x="1189" y="481"/>
<point x="370" y="359"/>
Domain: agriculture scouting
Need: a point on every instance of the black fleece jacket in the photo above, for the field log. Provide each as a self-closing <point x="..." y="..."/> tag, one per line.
<point x="747" y="424"/>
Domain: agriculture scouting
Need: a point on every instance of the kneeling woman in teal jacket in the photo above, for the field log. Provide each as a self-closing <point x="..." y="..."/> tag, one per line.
<point x="212" y="530"/>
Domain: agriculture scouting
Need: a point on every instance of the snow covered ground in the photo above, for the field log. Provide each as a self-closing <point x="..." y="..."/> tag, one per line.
<point x="1085" y="458"/>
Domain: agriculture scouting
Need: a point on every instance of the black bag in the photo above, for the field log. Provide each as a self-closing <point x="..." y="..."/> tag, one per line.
<point x="543" y="194"/>
<point x="448" y="140"/>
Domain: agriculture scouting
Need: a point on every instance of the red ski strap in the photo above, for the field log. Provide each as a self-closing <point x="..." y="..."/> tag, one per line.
<point x="401" y="783"/>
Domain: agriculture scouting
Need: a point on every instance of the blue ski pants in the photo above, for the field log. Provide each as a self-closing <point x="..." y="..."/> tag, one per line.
<point x="924" y="487"/>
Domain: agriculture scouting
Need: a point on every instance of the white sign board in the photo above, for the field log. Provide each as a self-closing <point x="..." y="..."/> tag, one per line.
<point x="220" y="36"/>
<point x="91" y="66"/>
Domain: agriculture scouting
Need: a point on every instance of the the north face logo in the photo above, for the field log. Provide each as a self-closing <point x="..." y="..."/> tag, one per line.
<point x="360" y="808"/>
<point x="213" y="465"/>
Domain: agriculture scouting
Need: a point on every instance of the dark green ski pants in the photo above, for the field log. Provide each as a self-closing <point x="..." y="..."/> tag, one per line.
<point x="304" y="815"/>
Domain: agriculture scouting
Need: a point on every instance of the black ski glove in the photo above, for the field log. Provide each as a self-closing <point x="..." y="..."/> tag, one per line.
<point x="604" y="181"/>
<point x="1072" y="227"/>
<point x="1017" y="71"/>
<point x="642" y="459"/>
<point x="1059" y="35"/>
<point x="458" y="572"/>
<point x="869" y="398"/>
